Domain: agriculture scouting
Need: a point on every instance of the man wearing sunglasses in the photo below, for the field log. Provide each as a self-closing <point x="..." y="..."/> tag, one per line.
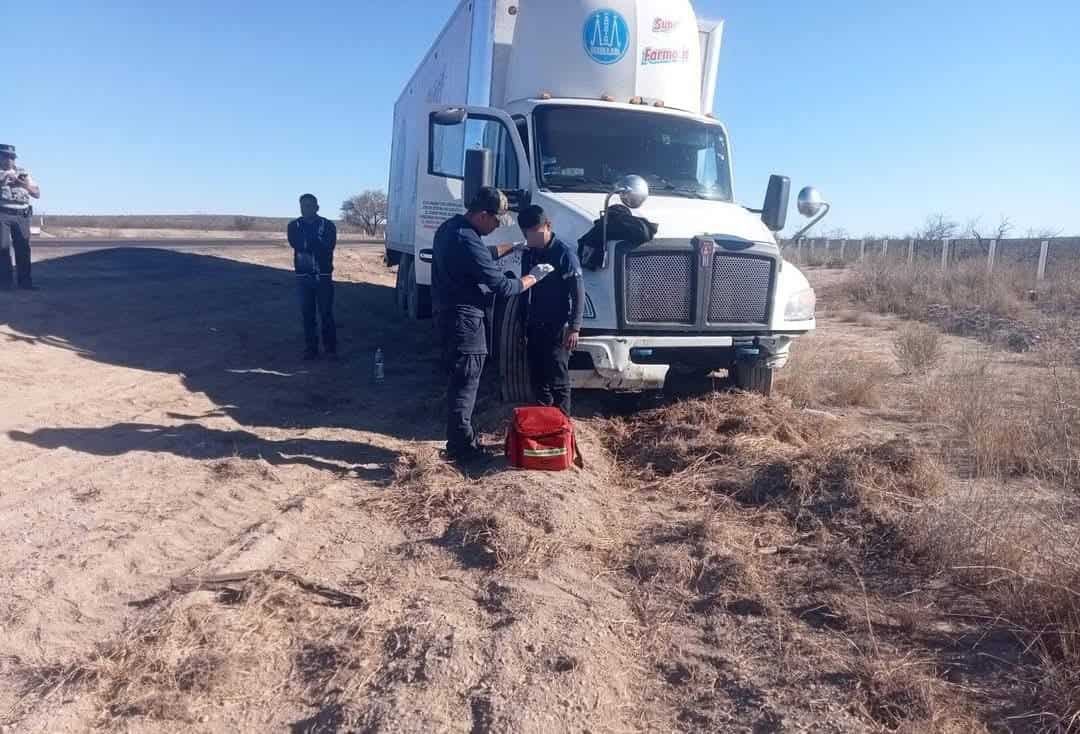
<point x="17" y="187"/>
<point x="465" y="282"/>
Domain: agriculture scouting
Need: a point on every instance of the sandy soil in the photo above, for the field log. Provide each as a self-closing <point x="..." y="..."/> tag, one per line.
<point x="157" y="423"/>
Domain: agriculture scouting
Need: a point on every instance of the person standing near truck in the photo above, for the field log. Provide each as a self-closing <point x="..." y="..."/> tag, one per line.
<point x="465" y="281"/>
<point x="313" y="239"/>
<point x="17" y="187"/>
<point x="555" y="310"/>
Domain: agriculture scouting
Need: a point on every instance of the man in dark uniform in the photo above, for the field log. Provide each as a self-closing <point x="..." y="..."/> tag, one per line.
<point x="465" y="282"/>
<point x="313" y="239"/>
<point x="17" y="187"/>
<point x="555" y="310"/>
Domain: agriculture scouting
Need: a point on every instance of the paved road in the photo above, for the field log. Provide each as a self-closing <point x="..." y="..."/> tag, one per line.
<point x="175" y="244"/>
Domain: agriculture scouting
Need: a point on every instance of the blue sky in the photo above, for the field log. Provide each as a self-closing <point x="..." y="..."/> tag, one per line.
<point x="894" y="110"/>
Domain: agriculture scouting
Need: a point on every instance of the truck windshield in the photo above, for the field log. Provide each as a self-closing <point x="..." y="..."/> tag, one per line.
<point x="589" y="148"/>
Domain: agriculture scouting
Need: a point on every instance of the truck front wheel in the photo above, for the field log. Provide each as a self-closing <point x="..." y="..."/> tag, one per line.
<point x="508" y="339"/>
<point x="754" y="378"/>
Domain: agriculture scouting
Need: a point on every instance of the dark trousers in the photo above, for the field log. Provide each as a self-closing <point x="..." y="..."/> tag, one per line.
<point x="317" y="297"/>
<point x="465" y="371"/>
<point x="14" y="239"/>
<point x="549" y="365"/>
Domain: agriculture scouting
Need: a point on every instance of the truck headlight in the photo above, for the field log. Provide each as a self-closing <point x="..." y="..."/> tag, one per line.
<point x="801" y="306"/>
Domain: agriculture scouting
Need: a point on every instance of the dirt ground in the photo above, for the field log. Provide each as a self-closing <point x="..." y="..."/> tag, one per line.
<point x="157" y="423"/>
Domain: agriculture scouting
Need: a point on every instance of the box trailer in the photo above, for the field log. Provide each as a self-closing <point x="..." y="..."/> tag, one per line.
<point x="575" y="102"/>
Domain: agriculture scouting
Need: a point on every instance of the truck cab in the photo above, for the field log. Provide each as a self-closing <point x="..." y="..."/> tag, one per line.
<point x="710" y="292"/>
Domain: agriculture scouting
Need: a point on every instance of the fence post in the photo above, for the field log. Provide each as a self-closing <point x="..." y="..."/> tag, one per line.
<point x="944" y="255"/>
<point x="884" y="249"/>
<point x="990" y="257"/>
<point x="798" y="250"/>
<point x="1044" y="252"/>
<point x="842" y="249"/>
<point x="862" y="250"/>
<point x="910" y="252"/>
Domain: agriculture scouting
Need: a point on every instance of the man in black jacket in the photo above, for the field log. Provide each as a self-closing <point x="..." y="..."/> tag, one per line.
<point x="465" y="282"/>
<point x="555" y="310"/>
<point x="313" y="239"/>
<point x="17" y="187"/>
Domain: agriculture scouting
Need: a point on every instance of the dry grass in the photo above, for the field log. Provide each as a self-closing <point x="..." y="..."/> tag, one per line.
<point x="1018" y="548"/>
<point x="769" y="481"/>
<point x="191" y="655"/>
<point x="918" y="348"/>
<point x="1000" y="429"/>
<point x="820" y="378"/>
<point x="1002" y="308"/>
<point x="909" y="290"/>
<point x="425" y="488"/>
<point x="740" y="427"/>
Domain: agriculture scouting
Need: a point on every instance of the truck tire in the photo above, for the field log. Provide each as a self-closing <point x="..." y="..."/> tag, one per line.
<point x="418" y="297"/>
<point x="754" y="378"/>
<point x="401" y="285"/>
<point x="509" y="346"/>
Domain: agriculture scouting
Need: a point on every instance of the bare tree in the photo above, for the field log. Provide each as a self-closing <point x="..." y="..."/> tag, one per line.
<point x="1043" y="233"/>
<point x="983" y="235"/>
<point x="938" y="227"/>
<point x="836" y="233"/>
<point x="366" y="210"/>
<point x="976" y="231"/>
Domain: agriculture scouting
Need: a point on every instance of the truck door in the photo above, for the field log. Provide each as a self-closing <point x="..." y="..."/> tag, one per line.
<point x="442" y="170"/>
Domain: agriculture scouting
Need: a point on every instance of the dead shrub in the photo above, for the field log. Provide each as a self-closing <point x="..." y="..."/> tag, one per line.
<point x="236" y="468"/>
<point x="854" y="382"/>
<point x="500" y="540"/>
<point x="918" y="348"/>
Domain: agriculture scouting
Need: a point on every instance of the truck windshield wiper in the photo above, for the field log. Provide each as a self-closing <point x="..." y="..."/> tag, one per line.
<point x="686" y="191"/>
<point x="662" y="184"/>
<point x="586" y="183"/>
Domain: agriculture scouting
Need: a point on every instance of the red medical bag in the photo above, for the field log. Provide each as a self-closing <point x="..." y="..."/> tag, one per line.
<point x="542" y="439"/>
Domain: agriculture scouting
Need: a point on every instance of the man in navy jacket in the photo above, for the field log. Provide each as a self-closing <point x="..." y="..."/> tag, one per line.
<point x="556" y="307"/>
<point x="465" y="282"/>
<point x="313" y="239"/>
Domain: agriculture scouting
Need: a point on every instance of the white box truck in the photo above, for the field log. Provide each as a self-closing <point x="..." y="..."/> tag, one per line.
<point x="572" y="103"/>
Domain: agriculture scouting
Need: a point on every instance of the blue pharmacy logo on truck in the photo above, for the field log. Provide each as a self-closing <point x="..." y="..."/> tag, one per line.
<point x="606" y="37"/>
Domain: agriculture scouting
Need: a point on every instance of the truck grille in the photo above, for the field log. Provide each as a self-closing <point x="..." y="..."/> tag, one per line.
<point x="740" y="290"/>
<point x="660" y="288"/>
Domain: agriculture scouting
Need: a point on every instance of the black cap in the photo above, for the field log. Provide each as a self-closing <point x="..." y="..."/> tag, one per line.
<point x="7" y="150"/>
<point x="489" y="199"/>
<point x="530" y="217"/>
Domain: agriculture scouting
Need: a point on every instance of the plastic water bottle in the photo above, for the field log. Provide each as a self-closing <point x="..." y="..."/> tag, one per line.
<point x="380" y="368"/>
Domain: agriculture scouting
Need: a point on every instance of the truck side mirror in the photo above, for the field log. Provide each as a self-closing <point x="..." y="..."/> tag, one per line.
<point x="478" y="173"/>
<point x="518" y="199"/>
<point x="777" y="197"/>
